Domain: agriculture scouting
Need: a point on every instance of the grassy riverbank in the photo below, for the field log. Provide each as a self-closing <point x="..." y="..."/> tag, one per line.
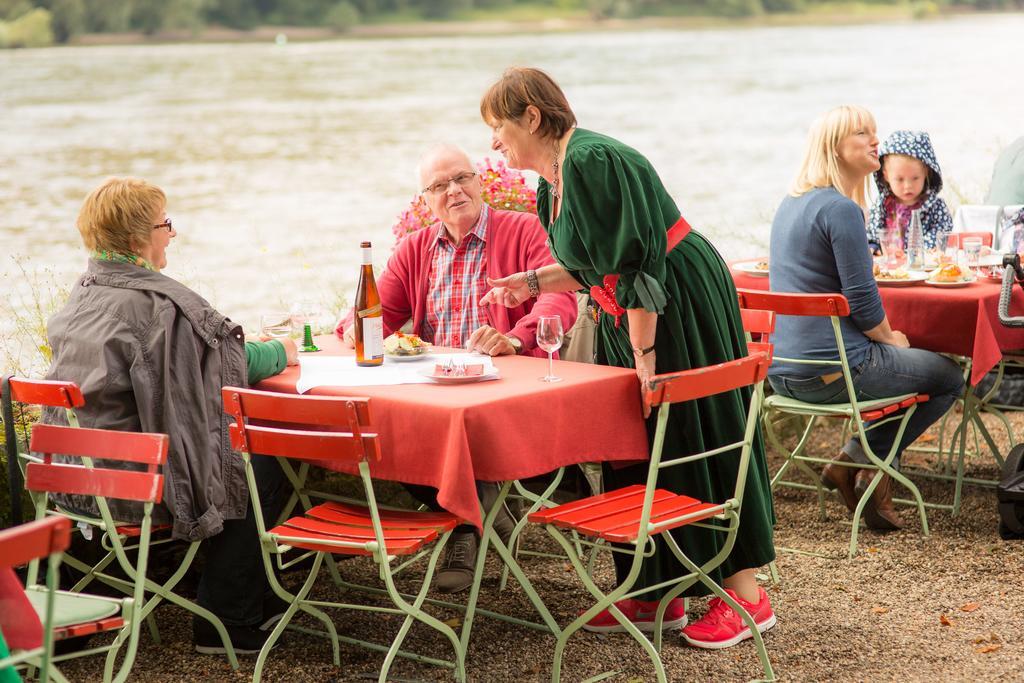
<point x="526" y="18"/>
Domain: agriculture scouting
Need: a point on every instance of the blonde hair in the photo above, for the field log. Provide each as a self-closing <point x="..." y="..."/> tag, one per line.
<point x="821" y="165"/>
<point x="118" y="215"/>
<point x="521" y="86"/>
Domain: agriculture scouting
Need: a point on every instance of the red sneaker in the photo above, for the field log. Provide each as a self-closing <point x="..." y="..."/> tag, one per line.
<point x="722" y="627"/>
<point x="641" y="613"/>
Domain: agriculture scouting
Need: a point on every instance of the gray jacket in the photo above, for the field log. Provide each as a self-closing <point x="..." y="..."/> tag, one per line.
<point x="151" y="355"/>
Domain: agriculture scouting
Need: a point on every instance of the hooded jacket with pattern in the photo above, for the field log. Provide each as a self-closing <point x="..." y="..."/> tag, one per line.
<point x="151" y="355"/>
<point x="936" y="221"/>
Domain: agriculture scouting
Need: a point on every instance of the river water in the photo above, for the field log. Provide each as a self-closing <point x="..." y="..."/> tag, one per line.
<point x="278" y="160"/>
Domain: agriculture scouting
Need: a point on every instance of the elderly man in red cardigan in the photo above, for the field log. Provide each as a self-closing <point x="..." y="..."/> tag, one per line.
<point x="436" y="278"/>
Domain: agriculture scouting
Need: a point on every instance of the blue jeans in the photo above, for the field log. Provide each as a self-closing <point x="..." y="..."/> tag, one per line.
<point x="887" y="371"/>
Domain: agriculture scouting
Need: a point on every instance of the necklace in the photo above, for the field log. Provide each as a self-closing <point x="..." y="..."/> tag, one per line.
<point x="556" y="195"/>
<point x="554" y="167"/>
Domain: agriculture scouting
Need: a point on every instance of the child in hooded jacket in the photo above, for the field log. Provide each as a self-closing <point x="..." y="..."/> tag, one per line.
<point x="909" y="179"/>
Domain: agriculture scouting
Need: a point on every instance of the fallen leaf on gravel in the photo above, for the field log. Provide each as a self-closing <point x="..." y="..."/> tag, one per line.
<point x="969" y="607"/>
<point x="454" y="622"/>
<point x="945" y="621"/>
<point x="839" y="588"/>
<point x="872" y="550"/>
<point x="985" y="649"/>
<point x="880" y="610"/>
<point x="567" y="567"/>
<point x="925" y="438"/>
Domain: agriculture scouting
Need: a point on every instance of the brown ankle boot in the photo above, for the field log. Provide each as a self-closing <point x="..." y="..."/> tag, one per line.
<point x="839" y="477"/>
<point x="879" y="512"/>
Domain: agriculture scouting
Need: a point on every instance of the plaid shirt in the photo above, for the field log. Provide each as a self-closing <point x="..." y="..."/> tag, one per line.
<point x="455" y="284"/>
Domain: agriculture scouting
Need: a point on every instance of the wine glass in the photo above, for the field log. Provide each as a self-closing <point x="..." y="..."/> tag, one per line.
<point x="549" y="338"/>
<point x="276" y="324"/>
<point x="308" y="311"/>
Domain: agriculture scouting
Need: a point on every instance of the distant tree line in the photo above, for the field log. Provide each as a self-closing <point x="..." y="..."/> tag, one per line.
<point x="28" y="23"/>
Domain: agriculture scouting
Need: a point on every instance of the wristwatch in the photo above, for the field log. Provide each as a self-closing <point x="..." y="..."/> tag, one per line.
<point x="516" y="342"/>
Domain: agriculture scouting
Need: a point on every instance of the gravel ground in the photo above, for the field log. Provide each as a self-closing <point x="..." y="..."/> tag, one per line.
<point x="943" y="608"/>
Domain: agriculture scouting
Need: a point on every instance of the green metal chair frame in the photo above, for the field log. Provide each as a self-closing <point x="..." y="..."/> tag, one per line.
<point x="116" y="535"/>
<point x="638" y="514"/>
<point x="344" y="434"/>
<point x="30" y="542"/>
<point x="46" y="477"/>
<point x="857" y="412"/>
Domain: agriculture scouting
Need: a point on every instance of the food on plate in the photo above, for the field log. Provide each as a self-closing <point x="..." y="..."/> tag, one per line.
<point x="948" y="273"/>
<point x="897" y="274"/>
<point x="761" y="265"/>
<point x="401" y="344"/>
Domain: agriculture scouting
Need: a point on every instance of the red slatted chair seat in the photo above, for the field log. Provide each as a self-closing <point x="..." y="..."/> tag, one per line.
<point x="88" y="628"/>
<point x="405" y="532"/>
<point x="615" y="516"/>
<point x="878" y="412"/>
<point x="134" y="530"/>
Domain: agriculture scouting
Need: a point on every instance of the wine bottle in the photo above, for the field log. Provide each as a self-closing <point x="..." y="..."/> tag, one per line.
<point x="915" y="242"/>
<point x="369" y="316"/>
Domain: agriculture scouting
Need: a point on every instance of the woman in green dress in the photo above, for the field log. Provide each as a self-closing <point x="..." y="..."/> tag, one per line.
<point x="607" y="212"/>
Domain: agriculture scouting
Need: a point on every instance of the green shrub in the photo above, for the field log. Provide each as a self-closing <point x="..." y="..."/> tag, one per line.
<point x="342" y="17"/>
<point x="32" y="29"/>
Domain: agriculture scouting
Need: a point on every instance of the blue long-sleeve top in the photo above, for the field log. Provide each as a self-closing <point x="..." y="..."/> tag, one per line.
<point x="818" y="245"/>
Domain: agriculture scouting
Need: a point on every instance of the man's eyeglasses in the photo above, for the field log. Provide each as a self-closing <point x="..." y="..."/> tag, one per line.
<point x="166" y="224"/>
<point x="462" y="179"/>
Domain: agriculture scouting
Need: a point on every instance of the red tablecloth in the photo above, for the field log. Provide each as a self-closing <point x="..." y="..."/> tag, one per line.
<point x="960" y="320"/>
<point x="512" y="428"/>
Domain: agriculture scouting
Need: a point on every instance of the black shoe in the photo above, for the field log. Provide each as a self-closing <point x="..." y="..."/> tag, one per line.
<point x="459" y="562"/>
<point x="247" y="640"/>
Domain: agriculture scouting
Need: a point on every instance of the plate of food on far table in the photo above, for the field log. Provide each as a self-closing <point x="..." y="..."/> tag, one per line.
<point x="758" y="268"/>
<point x="898" y="277"/>
<point x="950" y="275"/>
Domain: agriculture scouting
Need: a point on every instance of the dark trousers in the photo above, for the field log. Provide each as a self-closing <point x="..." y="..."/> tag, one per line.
<point x="234" y="580"/>
<point x="427" y="495"/>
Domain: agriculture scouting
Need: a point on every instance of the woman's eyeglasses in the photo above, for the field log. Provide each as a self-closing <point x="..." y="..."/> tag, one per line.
<point x="166" y="224"/>
<point x="462" y="179"/>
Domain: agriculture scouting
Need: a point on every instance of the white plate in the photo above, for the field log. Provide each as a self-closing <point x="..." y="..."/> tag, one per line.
<point x="750" y="268"/>
<point x="429" y="373"/>
<point x="961" y="283"/>
<point x="405" y="358"/>
<point x="913" y="277"/>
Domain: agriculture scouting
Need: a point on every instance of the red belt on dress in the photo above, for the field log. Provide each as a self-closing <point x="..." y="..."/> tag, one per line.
<point x="605" y="296"/>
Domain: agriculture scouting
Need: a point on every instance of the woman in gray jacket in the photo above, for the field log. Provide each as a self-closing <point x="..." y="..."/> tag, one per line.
<point x="151" y="355"/>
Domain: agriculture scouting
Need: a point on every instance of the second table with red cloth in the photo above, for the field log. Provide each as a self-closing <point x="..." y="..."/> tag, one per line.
<point x="958" y="320"/>
<point x="515" y="427"/>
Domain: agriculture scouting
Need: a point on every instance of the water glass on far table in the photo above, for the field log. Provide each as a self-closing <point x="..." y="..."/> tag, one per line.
<point x="549" y="338"/>
<point x="276" y="325"/>
<point x="972" y="251"/>
<point x="892" y="245"/>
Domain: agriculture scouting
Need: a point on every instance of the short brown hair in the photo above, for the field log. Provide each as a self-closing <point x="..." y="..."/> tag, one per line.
<point x="118" y="215"/>
<point x="521" y="86"/>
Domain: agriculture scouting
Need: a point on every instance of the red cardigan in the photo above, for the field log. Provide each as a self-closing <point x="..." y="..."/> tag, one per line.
<point x="515" y="242"/>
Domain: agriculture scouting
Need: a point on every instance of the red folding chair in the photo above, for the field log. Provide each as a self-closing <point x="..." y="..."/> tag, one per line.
<point x="344" y="435"/>
<point x="858" y="412"/>
<point x="28" y="625"/>
<point x="68" y="396"/>
<point x="636" y="515"/>
<point x="78" y="614"/>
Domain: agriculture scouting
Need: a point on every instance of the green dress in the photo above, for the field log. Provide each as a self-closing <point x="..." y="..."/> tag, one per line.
<point x="614" y="217"/>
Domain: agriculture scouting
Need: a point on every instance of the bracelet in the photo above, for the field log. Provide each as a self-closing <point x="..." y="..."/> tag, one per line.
<point x="640" y="353"/>
<point x="533" y="283"/>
